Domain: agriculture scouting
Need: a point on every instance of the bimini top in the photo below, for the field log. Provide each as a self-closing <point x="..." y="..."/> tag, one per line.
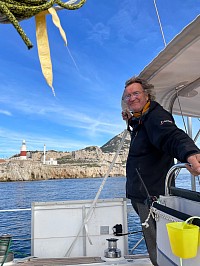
<point x="176" y="70"/>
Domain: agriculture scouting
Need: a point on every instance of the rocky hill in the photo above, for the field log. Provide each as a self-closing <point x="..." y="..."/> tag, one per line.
<point x="113" y="144"/>
<point x="91" y="161"/>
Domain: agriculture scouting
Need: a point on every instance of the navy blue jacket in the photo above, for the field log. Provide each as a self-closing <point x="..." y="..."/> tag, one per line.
<point x="155" y="142"/>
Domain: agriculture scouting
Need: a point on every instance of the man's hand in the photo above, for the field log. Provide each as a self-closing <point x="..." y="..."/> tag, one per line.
<point x="194" y="167"/>
<point x="126" y="115"/>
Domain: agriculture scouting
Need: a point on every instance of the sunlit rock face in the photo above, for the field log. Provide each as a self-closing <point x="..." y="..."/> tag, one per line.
<point x="92" y="161"/>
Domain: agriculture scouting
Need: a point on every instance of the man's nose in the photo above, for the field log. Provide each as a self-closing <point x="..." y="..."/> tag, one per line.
<point x="133" y="96"/>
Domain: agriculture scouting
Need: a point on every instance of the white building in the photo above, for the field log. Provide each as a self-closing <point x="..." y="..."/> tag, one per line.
<point x="51" y="161"/>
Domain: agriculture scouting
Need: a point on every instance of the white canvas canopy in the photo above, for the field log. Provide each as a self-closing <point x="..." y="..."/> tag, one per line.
<point x="176" y="70"/>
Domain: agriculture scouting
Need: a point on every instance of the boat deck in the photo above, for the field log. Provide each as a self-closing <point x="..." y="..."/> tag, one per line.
<point x="136" y="260"/>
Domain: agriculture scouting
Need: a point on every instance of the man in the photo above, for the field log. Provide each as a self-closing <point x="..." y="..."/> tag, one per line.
<point x="155" y="142"/>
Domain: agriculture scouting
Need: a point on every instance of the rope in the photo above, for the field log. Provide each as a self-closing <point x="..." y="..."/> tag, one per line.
<point x="93" y="205"/>
<point x="13" y="11"/>
<point x="159" y="21"/>
<point x="5" y="242"/>
<point x="146" y="222"/>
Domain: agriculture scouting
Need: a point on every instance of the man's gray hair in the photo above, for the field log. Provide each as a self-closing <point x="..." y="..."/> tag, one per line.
<point x="148" y="88"/>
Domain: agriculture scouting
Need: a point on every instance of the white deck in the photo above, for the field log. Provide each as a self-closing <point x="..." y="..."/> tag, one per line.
<point x="136" y="260"/>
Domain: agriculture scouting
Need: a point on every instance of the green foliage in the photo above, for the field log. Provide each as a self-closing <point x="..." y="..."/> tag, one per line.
<point x="91" y="148"/>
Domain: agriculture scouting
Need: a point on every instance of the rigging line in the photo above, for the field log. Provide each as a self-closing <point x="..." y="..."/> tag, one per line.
<point x="129" y="233"/>
<point x="93" y="205"/>
<point x="70" y="54"/>
<point x="198" y="179"/>
<point x="137" y="244"/>
<point x="159" y="21"/>
<point x="181" y="110"/>
<point x="144" y="186"/>
<point x="197" y="136"/>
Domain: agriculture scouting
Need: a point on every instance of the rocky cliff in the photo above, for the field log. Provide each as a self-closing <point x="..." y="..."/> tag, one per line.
<point x="92" y="161"/>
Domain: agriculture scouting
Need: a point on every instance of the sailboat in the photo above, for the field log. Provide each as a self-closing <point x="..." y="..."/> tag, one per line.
<point x="175" y="74"/>
<point x="81" y="232"/>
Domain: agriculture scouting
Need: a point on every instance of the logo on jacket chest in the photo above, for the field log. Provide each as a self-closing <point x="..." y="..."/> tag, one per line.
<point x="165" y="121"/>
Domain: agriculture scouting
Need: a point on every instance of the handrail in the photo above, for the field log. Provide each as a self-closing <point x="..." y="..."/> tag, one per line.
<point x="16" y="210"/>
<point x="169" y="176"/>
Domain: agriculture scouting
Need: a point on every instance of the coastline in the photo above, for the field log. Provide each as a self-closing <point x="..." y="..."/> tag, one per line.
<point x="29" y="170"/>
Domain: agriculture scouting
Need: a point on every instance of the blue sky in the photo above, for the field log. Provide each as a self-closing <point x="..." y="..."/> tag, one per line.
<point x="110" y="41"/>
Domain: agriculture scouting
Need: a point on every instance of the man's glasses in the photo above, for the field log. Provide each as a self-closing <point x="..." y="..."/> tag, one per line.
<point x="134" y="94"/>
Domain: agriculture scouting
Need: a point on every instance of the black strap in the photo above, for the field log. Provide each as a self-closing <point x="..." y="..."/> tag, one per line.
<point x="185" y="193"/>
<point x="175" y="213"/>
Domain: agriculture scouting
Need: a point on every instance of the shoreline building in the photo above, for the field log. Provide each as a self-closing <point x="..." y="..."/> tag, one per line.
<point x="23" y="151"/>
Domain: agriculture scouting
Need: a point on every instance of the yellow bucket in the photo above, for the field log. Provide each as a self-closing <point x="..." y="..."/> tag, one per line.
<point x="184" y="238"/>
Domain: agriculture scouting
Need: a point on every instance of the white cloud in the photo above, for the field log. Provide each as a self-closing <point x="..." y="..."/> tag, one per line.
<point x="4" y="112"/>
<point x="99" y="33"/>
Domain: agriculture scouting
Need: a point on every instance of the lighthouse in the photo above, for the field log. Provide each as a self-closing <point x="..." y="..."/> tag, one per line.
<point x="44" y="158"/>
<point x="23" y="151"/>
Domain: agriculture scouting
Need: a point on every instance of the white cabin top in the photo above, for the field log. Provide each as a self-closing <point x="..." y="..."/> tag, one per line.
<point x="177" y="70"/>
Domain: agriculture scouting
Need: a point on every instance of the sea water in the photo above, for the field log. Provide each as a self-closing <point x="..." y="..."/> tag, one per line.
<point x="20" y="195"/>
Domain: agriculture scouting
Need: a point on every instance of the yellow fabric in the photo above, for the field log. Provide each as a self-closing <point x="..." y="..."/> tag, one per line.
<point x="43" y="43"/>
<point x="15" y="11"/>
<point x="43" y="48"/>
<point x="56" y="22"/>
<point x="20" y="10"/>
<point x="145" y="108"/>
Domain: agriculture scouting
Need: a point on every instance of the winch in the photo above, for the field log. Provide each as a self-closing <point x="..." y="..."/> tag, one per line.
<point x="112" y="251"/>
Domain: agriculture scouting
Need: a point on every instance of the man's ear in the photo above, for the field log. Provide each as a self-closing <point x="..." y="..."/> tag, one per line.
<point x="147" y="96"/>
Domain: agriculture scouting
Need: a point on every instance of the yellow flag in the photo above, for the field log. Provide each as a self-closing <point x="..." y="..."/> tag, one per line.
<point x="56" y="22"/>
<point x="43" y="43"/>
<point x="43" y="48"/>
